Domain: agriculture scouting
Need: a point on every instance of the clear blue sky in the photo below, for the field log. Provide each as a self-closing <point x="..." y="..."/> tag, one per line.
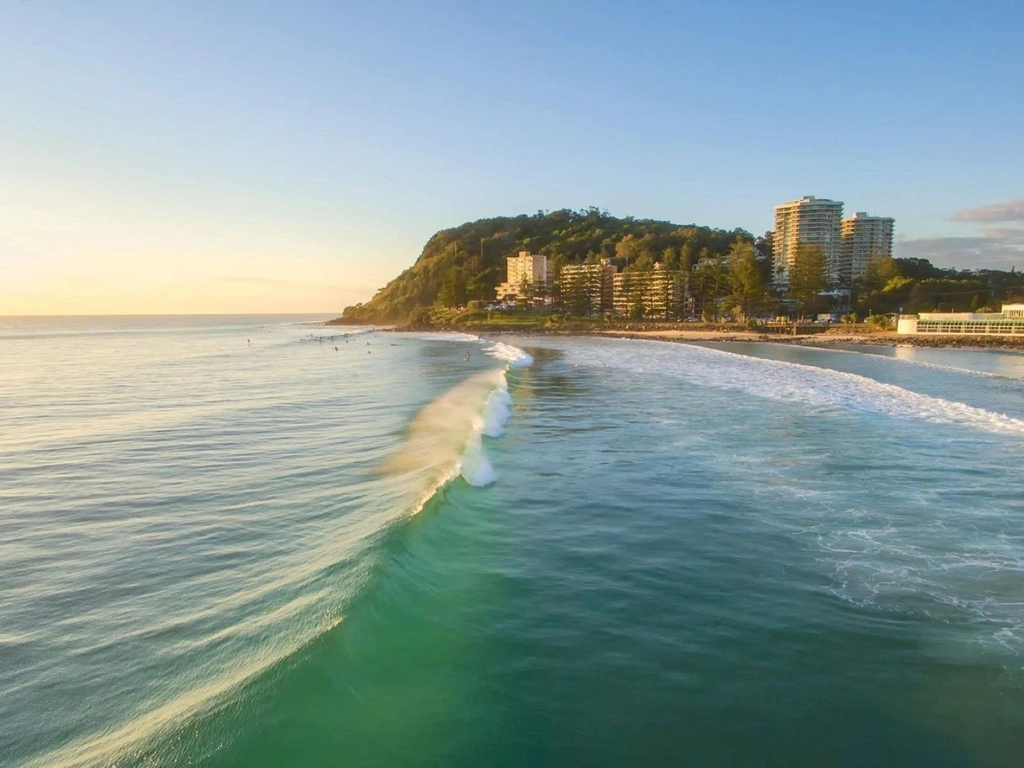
<point x="247" y="156"/>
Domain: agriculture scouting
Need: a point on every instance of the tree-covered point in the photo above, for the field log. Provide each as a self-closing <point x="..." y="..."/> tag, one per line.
<point x="718" y="273"/>
<point x="467" y="263"/>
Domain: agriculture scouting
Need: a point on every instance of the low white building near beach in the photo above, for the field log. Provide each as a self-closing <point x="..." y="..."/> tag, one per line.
<point x="1009" y="322"/>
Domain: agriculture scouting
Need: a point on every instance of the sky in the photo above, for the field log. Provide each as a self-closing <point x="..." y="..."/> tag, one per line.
<point x="228" y="156"/>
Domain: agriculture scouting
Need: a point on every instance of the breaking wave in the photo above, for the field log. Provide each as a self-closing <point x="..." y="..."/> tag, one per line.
<point x="512" y="355"/>
<point x="446" y="438"/>
<point x="795" y="382"/>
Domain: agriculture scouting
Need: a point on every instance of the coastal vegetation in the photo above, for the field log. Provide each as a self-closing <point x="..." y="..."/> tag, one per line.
<point x="465" y="263"/>
<point x="916" y="285"/>
<point x="724" y="275"/>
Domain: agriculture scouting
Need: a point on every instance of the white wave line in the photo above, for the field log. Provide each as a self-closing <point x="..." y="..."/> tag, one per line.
<point x="798" y="382"/>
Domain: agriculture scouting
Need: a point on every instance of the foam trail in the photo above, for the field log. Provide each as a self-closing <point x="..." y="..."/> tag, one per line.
<point x="798" y="383"/>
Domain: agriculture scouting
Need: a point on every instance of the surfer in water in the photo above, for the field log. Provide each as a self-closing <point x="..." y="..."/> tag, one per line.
<point x="467" y="356"/>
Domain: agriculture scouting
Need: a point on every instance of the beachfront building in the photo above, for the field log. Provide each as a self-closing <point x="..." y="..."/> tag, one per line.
<point x="1009" y="322"/>
<point x="654" y="294"/>
<point x="863" y="238"/>
<point x="587" y="289"/>
<point x="526" y="272"/>
<point x="807" y="221"/>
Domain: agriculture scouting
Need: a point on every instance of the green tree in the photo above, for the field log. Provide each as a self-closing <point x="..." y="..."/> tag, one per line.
<point x="686" y="273"/>
<point x="880" y="270"/>
<point x="453" y="289"/>
<point x="746" y="278"/>
<point x="807" y="277"/>
<point x="765" y="245"/>
<point x="711" y="284"/>
<point x="637" y="310"/>
<point x="627" y="250"/>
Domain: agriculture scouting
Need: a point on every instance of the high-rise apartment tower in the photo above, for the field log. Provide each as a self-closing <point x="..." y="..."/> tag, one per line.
<point x="863" y="237"/>
<point x="807" y="221"/>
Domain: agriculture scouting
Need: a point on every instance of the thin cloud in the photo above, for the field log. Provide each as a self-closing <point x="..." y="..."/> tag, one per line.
<point x="1010" y="210"/>
<point x="996" y="249"/>
<point x="1003" y="233"/>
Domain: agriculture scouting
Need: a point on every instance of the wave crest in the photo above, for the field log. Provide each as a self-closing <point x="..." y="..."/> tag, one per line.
<point x="514" y="356"/>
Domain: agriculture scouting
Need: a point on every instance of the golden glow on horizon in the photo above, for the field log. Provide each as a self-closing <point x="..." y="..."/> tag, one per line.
<point x="169" y="287"/>
<point x="62" y="254"/>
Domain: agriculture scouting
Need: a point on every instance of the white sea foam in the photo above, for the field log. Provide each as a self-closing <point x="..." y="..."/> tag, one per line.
<point x="475" y="467"/>
<point x="797" y="383"/>
<point x="497" y="411"/>
<point x="512" y="355"/>
<point x="900" y="548"/>
<point x="905" y="355"/>
<point x="919" y="569"/>
<point x="906" y="550"/>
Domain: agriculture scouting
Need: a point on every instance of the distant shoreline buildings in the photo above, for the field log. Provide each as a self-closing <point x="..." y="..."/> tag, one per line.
<point x="594" y="289"/>
<point x="847" y="244"/>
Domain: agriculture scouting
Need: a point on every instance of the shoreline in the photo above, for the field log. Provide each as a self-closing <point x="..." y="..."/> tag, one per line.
<point x="883" y="339"/>
<point x="683" y="335"/>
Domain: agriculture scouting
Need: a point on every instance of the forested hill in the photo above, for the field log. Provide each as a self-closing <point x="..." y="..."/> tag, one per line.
<point x="467" y="262"/>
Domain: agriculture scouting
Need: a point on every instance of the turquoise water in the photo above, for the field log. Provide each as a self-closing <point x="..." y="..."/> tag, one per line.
<point x="227" y="543"/>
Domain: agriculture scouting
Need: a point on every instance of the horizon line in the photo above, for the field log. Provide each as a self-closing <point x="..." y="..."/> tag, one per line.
<point x="175" y="314"/>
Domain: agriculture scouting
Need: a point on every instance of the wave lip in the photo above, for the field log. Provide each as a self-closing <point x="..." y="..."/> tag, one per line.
<point x="514" y="356"/>
<point x="445" y="440"/>
<point x="497" y="411"/>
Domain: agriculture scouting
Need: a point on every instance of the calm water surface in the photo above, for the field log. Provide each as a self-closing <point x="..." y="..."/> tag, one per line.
<point x="229" y="542"/>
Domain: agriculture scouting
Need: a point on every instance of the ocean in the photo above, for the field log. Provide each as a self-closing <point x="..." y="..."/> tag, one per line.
<point x="259" y="541"/>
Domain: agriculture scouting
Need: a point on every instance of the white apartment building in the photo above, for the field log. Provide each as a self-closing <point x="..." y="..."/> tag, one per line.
<point x="863" y="236"/>
<point x="807" y="221"/>
<point x="656" y="294"/>
<point x="524" y="269"/>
